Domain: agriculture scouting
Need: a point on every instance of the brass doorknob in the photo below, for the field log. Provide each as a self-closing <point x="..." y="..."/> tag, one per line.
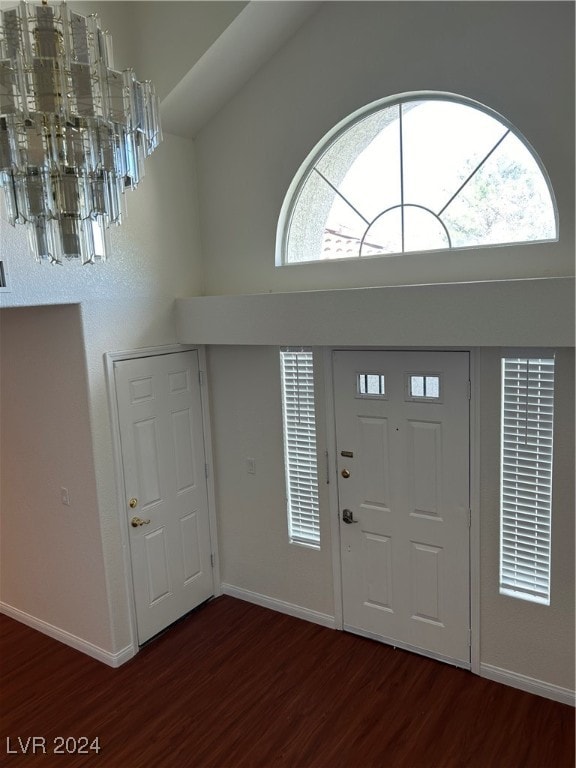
<point x="136" y="522"/>
<point x="133" y="503"/>
<point x="345" y="473"/>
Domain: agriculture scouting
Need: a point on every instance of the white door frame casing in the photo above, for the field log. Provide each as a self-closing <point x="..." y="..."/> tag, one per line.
<point x="109" y="359"/>
<point x="474" y="483"/>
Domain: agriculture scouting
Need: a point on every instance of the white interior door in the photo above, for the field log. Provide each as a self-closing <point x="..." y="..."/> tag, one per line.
<point x="402" y="428"/>
<point x="163" y="455"/>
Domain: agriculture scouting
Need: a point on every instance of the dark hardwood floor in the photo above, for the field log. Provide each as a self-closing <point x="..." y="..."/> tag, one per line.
<point x="237" y="685"/>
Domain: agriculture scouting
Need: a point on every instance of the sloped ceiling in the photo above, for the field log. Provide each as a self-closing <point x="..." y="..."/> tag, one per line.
<point x="196" y="53"/>
<point x="251" y="38"/>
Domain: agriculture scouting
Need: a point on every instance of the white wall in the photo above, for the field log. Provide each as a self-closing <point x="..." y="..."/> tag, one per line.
<point x="125" y="303"/>
<point x="255" y="553"/>
<point x="516" y="57"/>
<point x="512" y="312"/>
<point x="51" y="563"/>
<point x="161" y="40"/>
<point x="517" y="636"/>
<point x="346" y="56"/>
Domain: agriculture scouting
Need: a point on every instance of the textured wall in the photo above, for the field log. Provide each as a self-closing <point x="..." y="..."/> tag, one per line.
<point x="247" y="423"/>
<point x="518" y="636"/>
<point x="161" y="40"/>
<point x="126" y="303"/>
<point x="348" y="55"/>
<point x="51" y="564"/>
<point x="476" y="314"/>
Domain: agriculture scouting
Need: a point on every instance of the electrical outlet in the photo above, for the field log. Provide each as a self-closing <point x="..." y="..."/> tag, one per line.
<point x="251" y="466"/>
<point x="65" y="496"/>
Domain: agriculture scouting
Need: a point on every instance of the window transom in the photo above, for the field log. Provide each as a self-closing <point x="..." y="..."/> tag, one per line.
<point x="423" y="172"/>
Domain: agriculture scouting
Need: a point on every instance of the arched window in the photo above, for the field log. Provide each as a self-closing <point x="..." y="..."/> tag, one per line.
<point x="421" y="172"/>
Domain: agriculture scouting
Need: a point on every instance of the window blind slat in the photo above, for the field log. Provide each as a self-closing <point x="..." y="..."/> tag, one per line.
<point x="526" y="477"/>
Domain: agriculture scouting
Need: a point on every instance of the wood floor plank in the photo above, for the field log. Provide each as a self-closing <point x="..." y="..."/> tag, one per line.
<point x="234" y="685"/>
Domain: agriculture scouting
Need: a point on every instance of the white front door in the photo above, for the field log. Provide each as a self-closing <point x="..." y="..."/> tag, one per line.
<point x="163" y="455"/>
<point x="402" y="429"/>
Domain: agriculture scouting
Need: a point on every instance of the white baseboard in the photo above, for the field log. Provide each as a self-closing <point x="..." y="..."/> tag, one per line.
<point x="111" y="659"/>
<point x="499" y="675"/>
<point x="529" y="684"/>
<point x="281" y="606"/>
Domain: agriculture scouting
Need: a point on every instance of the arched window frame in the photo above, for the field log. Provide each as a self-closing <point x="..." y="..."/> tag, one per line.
<point x="332" y="136"/>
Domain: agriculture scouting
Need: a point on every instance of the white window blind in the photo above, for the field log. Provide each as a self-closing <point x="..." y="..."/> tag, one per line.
<point x="526" y="477"/>
<point x="300" y="445"/>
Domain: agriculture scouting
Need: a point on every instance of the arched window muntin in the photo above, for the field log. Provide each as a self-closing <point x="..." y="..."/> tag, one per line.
<point x="347" y="124"/>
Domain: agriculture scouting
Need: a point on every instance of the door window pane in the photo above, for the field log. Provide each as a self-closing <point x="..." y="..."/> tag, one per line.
<point x="370" y="385"/>
<point x="423" y="386"/>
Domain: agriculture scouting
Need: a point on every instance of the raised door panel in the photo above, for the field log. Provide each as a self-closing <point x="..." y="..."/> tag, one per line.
<point x="378" y="591"/>
<point x="147" y="458"/>
<point x="184" y="461"/>
<point x="191" y="551"/>
<point x="424" y="468"/>
<point x="427" y="577"/>
<point x="373" y="455"/>
<point x="156" y="565"/>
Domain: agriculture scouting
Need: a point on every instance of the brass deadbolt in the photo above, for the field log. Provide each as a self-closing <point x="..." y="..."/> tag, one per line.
<point x="133" y="503"/>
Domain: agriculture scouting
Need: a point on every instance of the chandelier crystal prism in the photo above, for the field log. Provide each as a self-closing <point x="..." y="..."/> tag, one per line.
<point x="74" y="132"/>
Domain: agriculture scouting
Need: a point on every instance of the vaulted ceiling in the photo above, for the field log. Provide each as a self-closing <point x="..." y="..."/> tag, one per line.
<point x="196" y="53"/>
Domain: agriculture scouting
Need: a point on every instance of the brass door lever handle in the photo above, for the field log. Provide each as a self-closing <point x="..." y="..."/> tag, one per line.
<point x="136" y="522"/>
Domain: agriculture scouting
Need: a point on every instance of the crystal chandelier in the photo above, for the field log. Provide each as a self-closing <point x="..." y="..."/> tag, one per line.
<point x="73" y="131"/>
